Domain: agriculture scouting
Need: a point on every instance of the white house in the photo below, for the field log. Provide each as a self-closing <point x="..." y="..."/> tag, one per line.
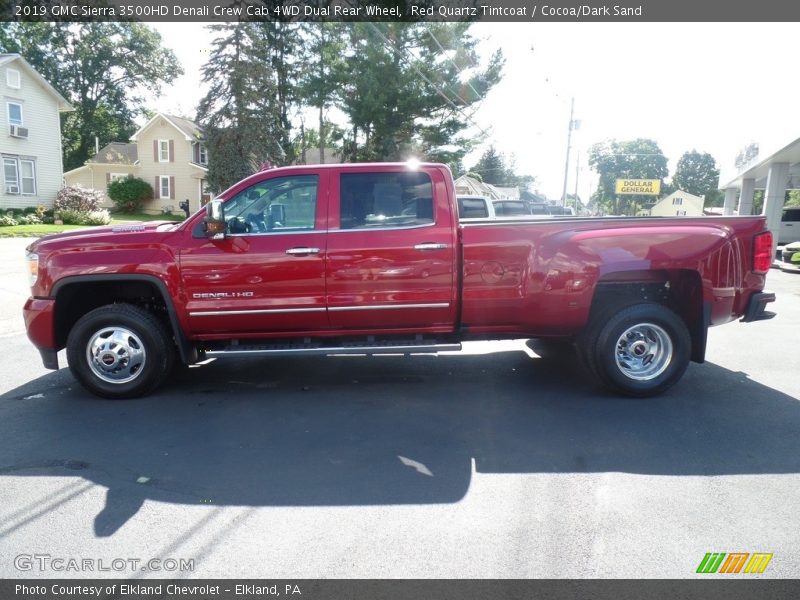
<point x="678" y="204"/>
<point x="168" y="152"/>
<point x="30" y="135"/>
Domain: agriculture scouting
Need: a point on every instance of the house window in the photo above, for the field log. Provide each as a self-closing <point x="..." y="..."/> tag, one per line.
<point x="14" y="113"/>
<point x="680" y="213"/>
<point x="11" y="175"/>
<point x="28" y="177"/>
<point x="13" y="79"/>
<point x="115" y="176"/>
<point x="677" y="201"/>
<point x="163" y="187"/>
<point x="203" y="155"/>
<point x="163" y="150"/>
<point x="19" y="176"/>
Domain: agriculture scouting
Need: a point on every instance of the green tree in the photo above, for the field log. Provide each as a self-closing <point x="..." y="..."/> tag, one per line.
<point x="309" y="138"/>
<point x="697" y="173"/>
<point x="496" y="169"/>
<point x="129" y="193"/>
<point x="105" y="70"/>
<point x="240" y="118"/>
<point x="631" y="159"/>
<point x="408" y="88"/>
<point x="283" y="46"/>
<point x="492" y="167"/>
<point x="792" y="198"/>
<point x="323" y="75"/>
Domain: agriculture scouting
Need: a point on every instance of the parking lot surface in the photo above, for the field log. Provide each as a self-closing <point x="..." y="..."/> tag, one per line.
<point x="494" y="462"/>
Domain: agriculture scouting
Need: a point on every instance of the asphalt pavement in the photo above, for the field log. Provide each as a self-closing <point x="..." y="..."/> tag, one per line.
<point x="494" y="462"/>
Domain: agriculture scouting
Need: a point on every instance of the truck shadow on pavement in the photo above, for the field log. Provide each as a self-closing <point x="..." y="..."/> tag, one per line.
<point x="379" y="431"/>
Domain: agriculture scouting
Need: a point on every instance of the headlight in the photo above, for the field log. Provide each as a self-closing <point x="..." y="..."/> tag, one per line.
<point x="33" y="267"/>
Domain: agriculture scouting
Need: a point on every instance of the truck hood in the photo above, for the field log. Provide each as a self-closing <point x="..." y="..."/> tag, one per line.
<point x="121" y="233"/>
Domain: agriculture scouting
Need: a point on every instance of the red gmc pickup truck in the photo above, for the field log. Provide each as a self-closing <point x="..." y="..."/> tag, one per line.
<point x="371" y="258"/>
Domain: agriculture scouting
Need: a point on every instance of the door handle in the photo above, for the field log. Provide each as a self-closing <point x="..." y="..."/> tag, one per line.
<point x="430" y="246"/>
<point x="302" y="251"/>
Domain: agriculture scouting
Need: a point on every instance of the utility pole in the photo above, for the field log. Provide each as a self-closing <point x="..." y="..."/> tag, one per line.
<point x="569" y="142"/>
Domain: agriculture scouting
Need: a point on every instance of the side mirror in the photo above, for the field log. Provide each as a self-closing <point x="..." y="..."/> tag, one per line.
<point x="215" y="220"/>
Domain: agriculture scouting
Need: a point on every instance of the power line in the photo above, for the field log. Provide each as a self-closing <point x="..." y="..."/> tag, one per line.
<point x="452" y="62"/>
<point x="438" y="89"/>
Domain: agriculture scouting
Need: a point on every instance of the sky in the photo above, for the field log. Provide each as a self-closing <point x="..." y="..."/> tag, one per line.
<point x="711" y="87"/>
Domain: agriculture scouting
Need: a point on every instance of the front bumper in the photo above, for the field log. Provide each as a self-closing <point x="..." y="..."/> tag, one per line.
<point x="756" y="307"/>
<point x="39" y="315"/>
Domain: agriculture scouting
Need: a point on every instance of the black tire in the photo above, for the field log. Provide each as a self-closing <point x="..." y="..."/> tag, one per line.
<point x="133" y="351"/>
<point x="650" y="358"/>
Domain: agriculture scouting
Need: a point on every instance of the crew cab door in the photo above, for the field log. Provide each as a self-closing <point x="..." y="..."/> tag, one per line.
<point x="391" y="250"/>
<point x="268" y="274"/>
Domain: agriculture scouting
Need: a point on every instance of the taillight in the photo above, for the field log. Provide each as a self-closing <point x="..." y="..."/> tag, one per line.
<point x="762" y="252"/>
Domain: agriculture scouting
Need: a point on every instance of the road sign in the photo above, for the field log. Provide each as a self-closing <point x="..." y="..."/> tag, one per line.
<point x="645" y="187"/>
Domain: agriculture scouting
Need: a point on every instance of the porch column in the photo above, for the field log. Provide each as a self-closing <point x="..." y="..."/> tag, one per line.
<point x="730" y="201"/>
<point x="746" y="197"/>
<point x="774" y="197"/>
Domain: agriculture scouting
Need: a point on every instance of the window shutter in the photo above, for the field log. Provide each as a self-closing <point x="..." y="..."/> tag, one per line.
<point x="108" y="178"/>
<point x="157" y="188"/>
<point x="155" y="150"/>
<point x="171" y="151"/>
<point x="196" y="149"/>
<point x="171" y="184"/>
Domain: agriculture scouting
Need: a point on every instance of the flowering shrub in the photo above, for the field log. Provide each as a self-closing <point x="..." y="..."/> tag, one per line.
<point x="78" y="199"/>
<point x="75" y="217"/>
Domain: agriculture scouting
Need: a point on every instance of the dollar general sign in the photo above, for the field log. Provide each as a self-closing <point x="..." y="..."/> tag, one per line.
<point x="646" y="187"/>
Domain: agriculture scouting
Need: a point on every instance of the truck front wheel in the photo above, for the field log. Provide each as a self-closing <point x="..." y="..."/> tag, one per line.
<point x="638" y="350"/>
<point x="119" y="351"/>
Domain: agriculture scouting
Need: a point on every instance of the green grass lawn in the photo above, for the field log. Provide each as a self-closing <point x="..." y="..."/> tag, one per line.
<point x="35" y="230"/>
<point x="116" y="219"/>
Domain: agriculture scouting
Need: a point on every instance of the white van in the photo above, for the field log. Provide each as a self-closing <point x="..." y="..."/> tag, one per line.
<point x="790" y="226"/>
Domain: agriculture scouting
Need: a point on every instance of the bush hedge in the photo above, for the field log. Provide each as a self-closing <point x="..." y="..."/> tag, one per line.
<point x="130" y="193"/>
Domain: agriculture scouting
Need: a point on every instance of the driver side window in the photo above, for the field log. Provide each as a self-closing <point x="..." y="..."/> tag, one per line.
<point x="283" y="204"/>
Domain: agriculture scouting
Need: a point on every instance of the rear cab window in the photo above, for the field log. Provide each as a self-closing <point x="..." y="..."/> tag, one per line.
<point x="385" y="200"/>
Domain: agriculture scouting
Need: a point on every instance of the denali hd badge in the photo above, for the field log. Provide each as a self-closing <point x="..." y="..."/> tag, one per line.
<point x="219" y="295"/>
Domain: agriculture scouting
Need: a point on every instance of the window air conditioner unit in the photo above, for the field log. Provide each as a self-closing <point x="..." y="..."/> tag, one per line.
<point x="18" y="131"/>
<point x="12" y="189"/>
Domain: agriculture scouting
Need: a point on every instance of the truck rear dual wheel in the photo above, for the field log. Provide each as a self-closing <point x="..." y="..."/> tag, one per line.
<point x="120" y="351"/>
<point x="638" y="349"/>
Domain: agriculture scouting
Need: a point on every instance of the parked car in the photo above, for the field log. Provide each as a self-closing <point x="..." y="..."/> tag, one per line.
<point x="551" y="209"/>
<point x="511" y="208"/>
<point x="475" y="208"/>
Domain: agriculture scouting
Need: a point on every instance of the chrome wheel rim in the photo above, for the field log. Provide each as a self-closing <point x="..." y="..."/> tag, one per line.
<point x="116" y="355"/>
<point x="643" y="351"/>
